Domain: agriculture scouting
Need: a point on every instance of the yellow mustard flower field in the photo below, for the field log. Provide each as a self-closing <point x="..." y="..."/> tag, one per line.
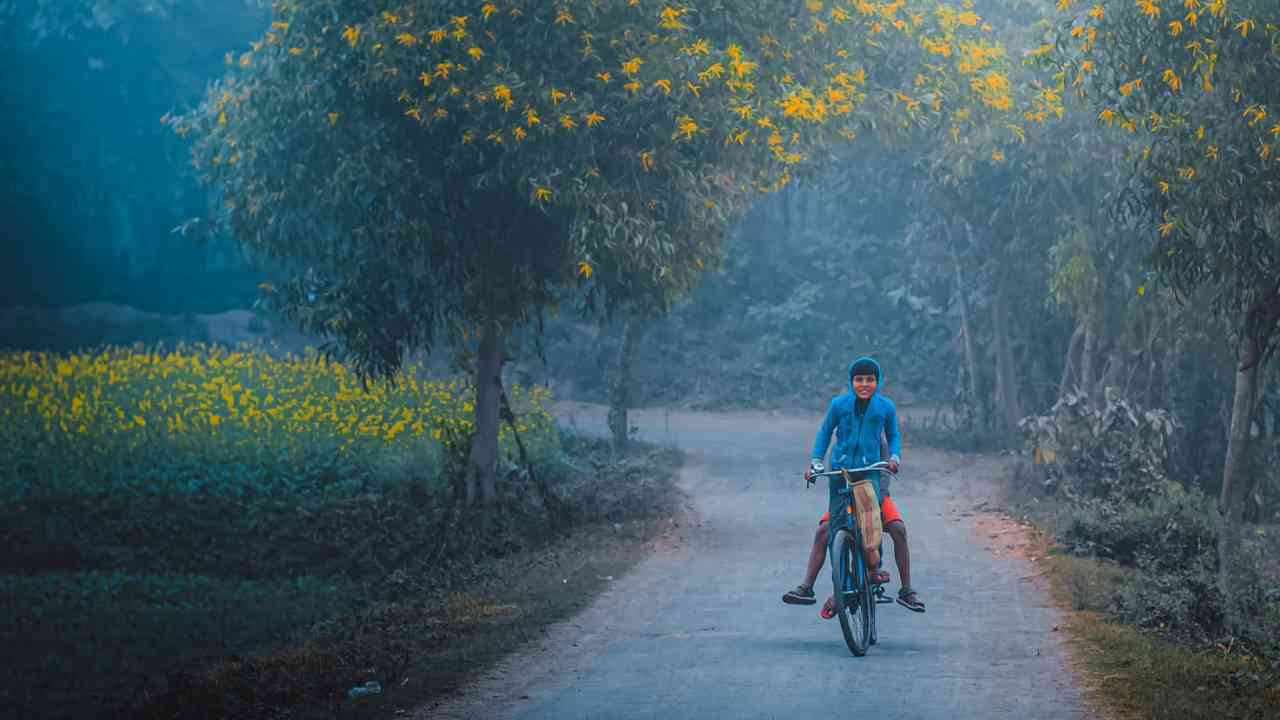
<point x="107" y="410"/>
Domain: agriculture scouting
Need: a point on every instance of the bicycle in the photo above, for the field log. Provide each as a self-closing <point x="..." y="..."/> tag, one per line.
<point x="855" y="596"/>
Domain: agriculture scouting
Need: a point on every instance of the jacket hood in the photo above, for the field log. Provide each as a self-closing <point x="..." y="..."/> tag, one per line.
<point x="876" y="365"/>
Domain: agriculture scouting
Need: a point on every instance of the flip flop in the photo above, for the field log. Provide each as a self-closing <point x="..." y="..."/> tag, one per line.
<point x="828" y="610"/>
<point x="907" y="599"/>
<point x="800" y="596"/>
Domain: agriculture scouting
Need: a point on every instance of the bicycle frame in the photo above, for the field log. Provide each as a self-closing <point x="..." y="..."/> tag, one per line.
<point x="857" y="583"/>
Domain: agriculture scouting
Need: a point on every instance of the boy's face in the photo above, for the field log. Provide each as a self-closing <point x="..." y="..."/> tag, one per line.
<point x="864" y="386"/>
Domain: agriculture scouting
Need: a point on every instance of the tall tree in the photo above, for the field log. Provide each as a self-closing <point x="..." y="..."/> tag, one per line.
<point x="425" y="164"/>
<point x="1195" y="83"/>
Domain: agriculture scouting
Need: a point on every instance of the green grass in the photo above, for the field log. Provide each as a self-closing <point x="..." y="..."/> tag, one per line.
<point x="112" y="631"/>
<point x="124" y="603"/>
<point x="1136" y="673"/>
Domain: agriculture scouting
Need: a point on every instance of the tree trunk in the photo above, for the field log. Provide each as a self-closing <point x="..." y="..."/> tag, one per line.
<point x="620" y="388"/>
<point x="1113" y="371"/>
<point x="1253" y="500"/>
<point x="966" y="335"/>
<point x="483" y="462"/>
<point x="1007" y="406"/>
<point x="1235" y="486"/>
<point x="549" y="499"/>
<point x="1089" y="355"/>
<point x="1154" y="364"/>
<point x="1068" y="365"/>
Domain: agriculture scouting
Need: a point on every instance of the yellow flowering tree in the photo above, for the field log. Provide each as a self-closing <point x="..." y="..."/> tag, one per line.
<point x="1195" y="84"/>
<point x="983" y="209"/>
<point x="433" y="164"/>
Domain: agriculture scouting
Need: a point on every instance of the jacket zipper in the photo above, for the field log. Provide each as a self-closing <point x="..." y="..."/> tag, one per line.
<point x="861" y="419"/>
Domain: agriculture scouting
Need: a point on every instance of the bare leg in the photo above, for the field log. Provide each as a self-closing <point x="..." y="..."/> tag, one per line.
<point x="872" y="557"/>
<point x="907" y="596"/>
<point x="817" y="556"/>
<point x="898" y="531"/>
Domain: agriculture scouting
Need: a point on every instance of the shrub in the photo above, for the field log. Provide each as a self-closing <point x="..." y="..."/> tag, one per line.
<point x="1116" y="451"/>
<point x="1170" y="529"/>
<point x="1188" y="602"/>
<point x="1170" y="541"/>
<point x="1184" y="600"/>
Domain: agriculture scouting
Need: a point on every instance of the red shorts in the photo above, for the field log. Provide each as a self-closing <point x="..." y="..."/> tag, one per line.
<point x="888" y="513"/>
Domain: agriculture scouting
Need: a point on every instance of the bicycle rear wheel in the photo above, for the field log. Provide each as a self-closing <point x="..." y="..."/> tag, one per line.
<point x="852" y="593"/>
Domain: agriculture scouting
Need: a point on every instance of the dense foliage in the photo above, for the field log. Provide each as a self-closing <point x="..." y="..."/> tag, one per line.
<point x="1104" y="471"/>
<point x="609" y="139"/>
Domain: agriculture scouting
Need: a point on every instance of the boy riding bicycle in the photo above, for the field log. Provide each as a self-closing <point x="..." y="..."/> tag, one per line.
<point x="861" y="420"/>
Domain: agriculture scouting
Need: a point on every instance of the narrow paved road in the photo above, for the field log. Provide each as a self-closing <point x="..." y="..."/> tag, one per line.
<point x="698" y="629"/>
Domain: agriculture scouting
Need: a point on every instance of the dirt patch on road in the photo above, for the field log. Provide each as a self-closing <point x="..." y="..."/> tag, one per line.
<point x="1008" y="537"/>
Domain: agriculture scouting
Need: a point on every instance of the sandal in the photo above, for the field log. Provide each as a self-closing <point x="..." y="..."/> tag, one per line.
<point x="907" y="598"/>
<point x="878" y="577"/>
<point x="800" y="596"/>
<point x="828" y="610"/>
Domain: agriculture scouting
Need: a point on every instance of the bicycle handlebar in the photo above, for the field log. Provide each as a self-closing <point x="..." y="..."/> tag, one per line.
<point x="881" y="466"/>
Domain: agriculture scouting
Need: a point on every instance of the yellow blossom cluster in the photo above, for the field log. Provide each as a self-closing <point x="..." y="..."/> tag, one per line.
<point x="1166" y="84"/>
<point x="693" y="95"/>
<point x="466" y="83"/>
<point x="206" y="400"/>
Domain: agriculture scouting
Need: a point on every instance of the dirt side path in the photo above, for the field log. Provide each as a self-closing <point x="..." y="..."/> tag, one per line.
<point x="698" y="629"/>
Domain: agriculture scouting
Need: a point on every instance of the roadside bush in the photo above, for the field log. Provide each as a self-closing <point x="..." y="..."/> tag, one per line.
<point x="1170" y="529"/>
<point x="1116" y="451"/>
<point x="1183" y="601"/>
<point x="1187" y="601"/>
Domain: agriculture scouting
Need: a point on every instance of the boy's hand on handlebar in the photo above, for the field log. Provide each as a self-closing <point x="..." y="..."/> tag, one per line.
<point x="815" y="466"/>
<point x="893" y="465"/>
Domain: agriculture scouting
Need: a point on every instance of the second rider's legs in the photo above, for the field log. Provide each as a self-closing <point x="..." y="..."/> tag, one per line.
<point x="896" y="529"/>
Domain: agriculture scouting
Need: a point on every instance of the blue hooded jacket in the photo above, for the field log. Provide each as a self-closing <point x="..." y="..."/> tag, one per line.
<point x="858" y="436"/>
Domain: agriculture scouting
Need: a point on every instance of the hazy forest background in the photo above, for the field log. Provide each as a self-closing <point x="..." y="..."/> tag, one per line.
<point x="1081" y="269"/>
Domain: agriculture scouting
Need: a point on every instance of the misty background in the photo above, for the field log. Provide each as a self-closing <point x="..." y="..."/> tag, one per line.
<point x="861" y="259"/>
<point x="1018" y="296"/>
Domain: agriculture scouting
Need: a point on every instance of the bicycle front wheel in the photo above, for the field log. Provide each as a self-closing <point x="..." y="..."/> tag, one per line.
<point x="852" y="592"/>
